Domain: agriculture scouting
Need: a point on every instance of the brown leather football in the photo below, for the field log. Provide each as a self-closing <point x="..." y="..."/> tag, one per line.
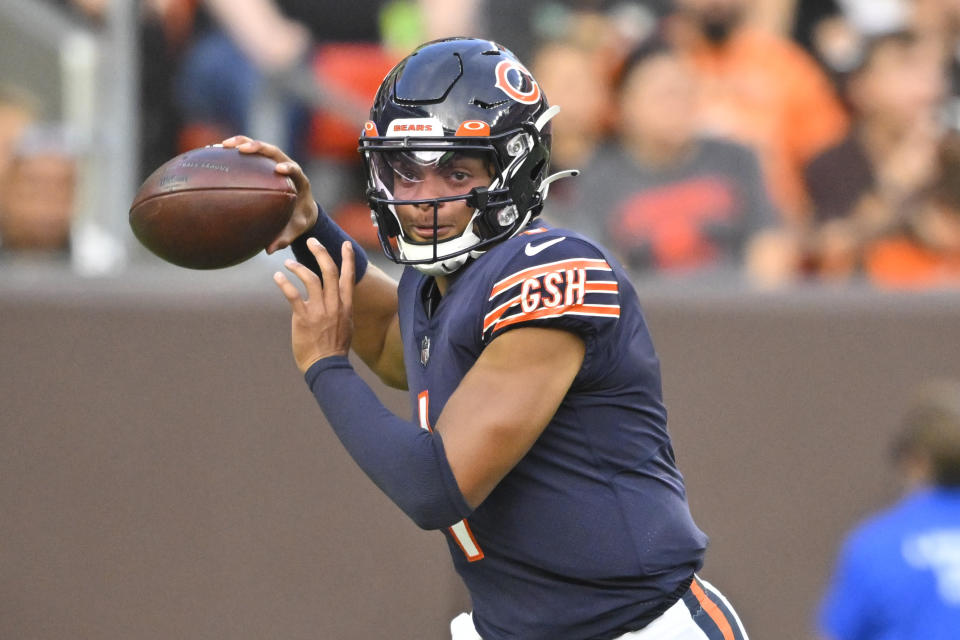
<point x="211" y="208"/>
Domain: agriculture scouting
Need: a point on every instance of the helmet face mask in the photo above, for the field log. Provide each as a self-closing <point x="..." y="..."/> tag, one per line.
<point x="450" y="99"/>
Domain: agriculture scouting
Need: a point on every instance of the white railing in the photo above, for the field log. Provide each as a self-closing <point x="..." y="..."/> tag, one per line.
<point x="98" y="81"/>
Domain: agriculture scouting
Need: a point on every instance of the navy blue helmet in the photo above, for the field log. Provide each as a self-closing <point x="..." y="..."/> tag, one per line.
<point x="459" y="96"/>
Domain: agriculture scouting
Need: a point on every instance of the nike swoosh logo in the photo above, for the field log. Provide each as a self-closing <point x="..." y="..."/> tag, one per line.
<point x="532" y="250"/>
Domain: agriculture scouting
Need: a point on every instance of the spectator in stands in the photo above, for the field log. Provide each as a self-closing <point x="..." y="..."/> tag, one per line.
<point x="18" y="109"/>
<point x="323" y="70"/>
<point x="834" y="31"/>
<point x="897" y="573"/>
<point x="320" y="61"/>
<point x="523" y="26"/>
<point x="37" y="193"/>
<point x="808" y="22"/>
<point x="243" y="50"/>
<point x="572" y="76"/>
<point x="760" y="89"/>
<point x="671" y="201"/>
<point x="866" y="184"/>
<point x="937" y="23"/>
<point x="283" y="70"/>
<point x="924" y="251"/>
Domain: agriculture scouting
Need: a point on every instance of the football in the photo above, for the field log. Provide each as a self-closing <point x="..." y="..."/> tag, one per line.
<point x="212" y="208"/>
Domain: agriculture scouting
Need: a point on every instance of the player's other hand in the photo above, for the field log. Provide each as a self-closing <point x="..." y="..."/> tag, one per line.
<point x="322" y="323"/>
<point x="304" y="209"/>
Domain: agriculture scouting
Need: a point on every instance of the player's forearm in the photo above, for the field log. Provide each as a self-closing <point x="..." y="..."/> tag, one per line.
<point x="408" y="463"/>
<point x="376" y="332"/>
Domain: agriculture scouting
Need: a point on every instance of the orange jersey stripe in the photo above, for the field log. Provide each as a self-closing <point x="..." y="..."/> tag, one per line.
<point x="602" y="286"/>
<point x="494" y="315"/>
<point x="592" y="287"/>
<point x="532" y="231"/>
<point x="543" y="269"/>
<point x="713" y="611"/>
<point x="555" y="312"/>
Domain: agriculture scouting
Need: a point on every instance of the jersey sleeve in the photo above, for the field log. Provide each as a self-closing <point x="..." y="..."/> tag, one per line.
<point x="553" y="281"/>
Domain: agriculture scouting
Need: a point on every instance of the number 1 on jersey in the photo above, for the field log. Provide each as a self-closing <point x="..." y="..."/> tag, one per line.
<point x="461" y="531"/>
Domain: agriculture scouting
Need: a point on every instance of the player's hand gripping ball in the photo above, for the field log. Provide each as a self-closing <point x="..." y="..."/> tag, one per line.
<point x="211" y="208"/>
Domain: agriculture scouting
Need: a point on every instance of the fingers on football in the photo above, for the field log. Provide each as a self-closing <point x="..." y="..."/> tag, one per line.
<point x="245" y="144"/>
<point x="235" y="141"/>
<point x="271" y="151"/>
<point x="295" y="172"/>
<point x="290" y="292"/>
<point x="285" y="165"/>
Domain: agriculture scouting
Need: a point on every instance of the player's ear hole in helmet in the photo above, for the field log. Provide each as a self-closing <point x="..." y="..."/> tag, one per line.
<point x="449" y="99"/>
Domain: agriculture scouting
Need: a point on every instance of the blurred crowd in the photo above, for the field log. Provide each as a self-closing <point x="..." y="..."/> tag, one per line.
<point x="713" y="142"/>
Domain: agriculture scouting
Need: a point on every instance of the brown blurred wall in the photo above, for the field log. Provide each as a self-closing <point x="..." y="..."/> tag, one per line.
<point x="164" y="472"/>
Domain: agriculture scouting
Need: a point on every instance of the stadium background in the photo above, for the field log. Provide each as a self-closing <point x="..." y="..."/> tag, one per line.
<point x="163" y="472"/>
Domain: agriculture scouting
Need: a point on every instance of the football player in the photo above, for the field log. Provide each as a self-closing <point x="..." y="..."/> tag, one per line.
<point x="538" y="442"/>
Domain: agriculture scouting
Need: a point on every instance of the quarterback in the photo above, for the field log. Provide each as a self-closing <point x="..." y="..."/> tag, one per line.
<point x="538" y="440"/>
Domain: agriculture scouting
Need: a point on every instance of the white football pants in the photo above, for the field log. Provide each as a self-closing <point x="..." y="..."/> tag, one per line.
<point x="703" y="613"/>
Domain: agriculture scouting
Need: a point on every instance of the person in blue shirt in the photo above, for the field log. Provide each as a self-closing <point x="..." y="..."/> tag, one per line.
<point x="898" y="574"/>
<point x="538" y="442"/>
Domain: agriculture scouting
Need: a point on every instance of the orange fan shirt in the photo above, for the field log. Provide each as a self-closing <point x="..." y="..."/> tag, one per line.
<point x="898" y="263"/>
<point x="766" y="92"/>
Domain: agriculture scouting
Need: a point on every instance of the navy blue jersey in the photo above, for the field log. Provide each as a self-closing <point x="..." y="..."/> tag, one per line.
<point x="590" y="534"/>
